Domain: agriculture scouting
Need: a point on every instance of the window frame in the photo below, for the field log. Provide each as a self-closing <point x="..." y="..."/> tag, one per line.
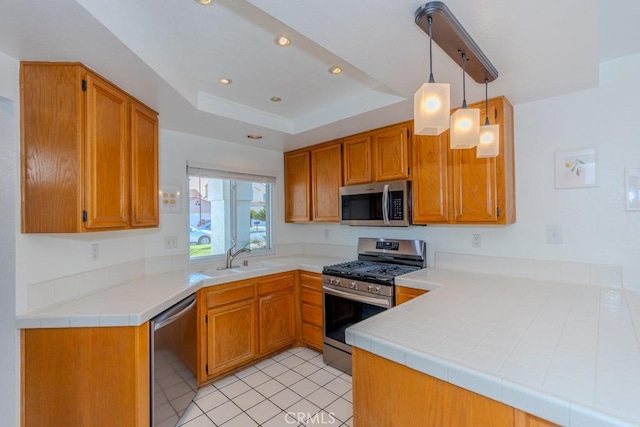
<point x="233" y="178"/>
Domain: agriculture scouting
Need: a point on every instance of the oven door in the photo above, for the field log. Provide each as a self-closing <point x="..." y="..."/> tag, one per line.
<point x="343" y="309"/>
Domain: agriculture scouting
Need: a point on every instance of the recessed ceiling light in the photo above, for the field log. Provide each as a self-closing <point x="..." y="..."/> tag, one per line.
<point x="224" y="81"/>
<point x="276" y="99"/>
<point x="254" y="136"/>
<point x="335" y="70"/>
<point x="282" y="41"/>
<point x="205" y="2"/>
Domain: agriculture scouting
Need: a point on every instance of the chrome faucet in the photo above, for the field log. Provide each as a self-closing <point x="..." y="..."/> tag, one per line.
<point x="231" y="256"/>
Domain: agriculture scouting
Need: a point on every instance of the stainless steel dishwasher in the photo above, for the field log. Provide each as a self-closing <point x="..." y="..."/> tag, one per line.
<point x="173" y="361"/>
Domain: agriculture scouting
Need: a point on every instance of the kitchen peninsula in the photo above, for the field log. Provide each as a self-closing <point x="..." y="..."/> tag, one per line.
<point x="563" y="352"/>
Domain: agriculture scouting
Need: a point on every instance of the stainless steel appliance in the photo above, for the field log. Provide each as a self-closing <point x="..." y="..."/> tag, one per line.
<point x="376" y="204"/>
<point x="173" y="361"/>
<point x="357" y="290"/>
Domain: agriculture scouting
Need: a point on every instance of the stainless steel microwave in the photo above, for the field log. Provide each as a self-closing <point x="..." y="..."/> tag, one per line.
<point x="385" y="204"/>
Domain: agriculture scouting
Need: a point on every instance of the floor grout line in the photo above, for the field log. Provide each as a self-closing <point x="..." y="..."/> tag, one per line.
<point x="277" y="360"/>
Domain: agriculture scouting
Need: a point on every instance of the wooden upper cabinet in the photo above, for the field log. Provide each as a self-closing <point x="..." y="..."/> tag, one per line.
<point x="430" y="180"/>
<point x="312" y="180"/>
<point x="380" y="155"/>
<point x="357" y="160"/>
<point x="107" y="154"/>
<point x="390" y="153"/>
<point x="326" y="179"/>
<point x="88" y="159"/>
<point x="144" y="166"/>
<point x="297" y="186"/>
<point x="483" y="190"/>
<point x="455" y="187"/>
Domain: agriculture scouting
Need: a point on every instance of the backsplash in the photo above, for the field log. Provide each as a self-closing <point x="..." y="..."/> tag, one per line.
<point x="61" y="289"/>
<point x="566" y="272"/>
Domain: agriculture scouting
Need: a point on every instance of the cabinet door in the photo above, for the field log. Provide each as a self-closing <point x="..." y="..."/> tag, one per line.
<point x="144" y="166"/>
<point x="357" y="160"/>
<point x="390" y="153"/>
<point x="107" y="156"/>
<point x="231" y="336"/>
<point x="474" y="182"/>
<point x="52" y="147"/>
<point x="297" y="186"/>
<point x="326" y="178"/>
<point x="430" y="183"/>
<point x="277" y="320"/>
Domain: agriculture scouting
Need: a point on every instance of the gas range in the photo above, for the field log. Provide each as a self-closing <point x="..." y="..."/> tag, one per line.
<point x="379" y="262"/>
<point x="357" y="290"/>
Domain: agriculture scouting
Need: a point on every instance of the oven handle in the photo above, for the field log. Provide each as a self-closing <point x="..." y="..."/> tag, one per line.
<point x="360" y="298"/>
<point x="385" y="204"/>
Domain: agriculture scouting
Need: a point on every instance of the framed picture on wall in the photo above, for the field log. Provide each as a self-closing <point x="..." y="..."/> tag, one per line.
<point x="632" y="196"/>
<point x="577" y="168"/>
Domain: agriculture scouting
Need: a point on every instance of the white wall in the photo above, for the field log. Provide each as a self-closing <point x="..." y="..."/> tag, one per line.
<point x="595" y="226"/>
<point x="176" y="150"/>
<point x="9" y="338"/>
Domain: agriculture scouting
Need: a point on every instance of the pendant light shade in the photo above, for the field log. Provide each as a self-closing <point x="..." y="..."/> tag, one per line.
<point x="465" y="128"/>
<point x="431" y="103"/>
<point x="465" y="122"/>
<point x="489" y="142"/>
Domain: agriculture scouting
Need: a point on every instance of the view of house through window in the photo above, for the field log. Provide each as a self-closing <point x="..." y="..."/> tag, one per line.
<point x="227" y="209"/>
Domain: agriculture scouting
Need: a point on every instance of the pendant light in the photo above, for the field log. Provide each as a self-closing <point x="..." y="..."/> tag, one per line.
<point x="489" y="142"/>
<point x="431" y="103"/>
<point x="465" y="122"/>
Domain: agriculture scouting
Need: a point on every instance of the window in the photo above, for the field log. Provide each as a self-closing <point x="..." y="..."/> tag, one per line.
<point x="227" y="208"/>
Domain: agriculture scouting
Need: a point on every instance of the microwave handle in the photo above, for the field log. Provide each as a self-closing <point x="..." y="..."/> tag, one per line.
<point x="385" y="204"/>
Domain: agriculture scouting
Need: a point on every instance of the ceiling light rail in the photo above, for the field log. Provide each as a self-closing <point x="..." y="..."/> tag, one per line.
<point x="453" y="39"/>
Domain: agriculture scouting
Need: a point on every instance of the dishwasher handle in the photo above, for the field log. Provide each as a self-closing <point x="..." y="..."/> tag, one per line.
<point x="174" y="313"/>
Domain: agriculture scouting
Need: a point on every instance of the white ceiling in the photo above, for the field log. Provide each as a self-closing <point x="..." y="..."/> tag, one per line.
<point x="170" y="55"/>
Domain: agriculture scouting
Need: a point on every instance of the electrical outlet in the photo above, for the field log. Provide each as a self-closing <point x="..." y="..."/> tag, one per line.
<point x="95" y="252"/>
<point x="554" y="234"/>
<point x="170" y="242"/>
<point x="476" y="240"/>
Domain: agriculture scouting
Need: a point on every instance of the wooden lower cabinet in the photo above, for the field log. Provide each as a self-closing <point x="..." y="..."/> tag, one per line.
<point x="414" y="399"/>
<point x="311" y="330"/>
<point x="404" y="294"/>
<point x="86" y="377"/>
<point x="243" y="321"/>
<point x="277" y="313"/>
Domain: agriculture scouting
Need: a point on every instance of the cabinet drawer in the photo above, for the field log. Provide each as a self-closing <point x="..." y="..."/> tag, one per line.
<point x="311" y="297"/>
<point x="312" y="335"/>
<point x="230" y="294"/>
<point x="275" y="283"/>
<point x="312" y="314"/>
<point x="311" y="280"/>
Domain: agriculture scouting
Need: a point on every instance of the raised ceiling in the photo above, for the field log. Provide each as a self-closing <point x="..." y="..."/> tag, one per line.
<point x="170" y="54"/>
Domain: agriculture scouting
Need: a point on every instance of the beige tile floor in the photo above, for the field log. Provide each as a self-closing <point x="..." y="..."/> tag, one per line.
<point x="292" y="388"/>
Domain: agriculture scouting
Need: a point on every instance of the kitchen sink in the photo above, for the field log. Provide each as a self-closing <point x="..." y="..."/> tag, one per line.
<point x="259" y="265"/>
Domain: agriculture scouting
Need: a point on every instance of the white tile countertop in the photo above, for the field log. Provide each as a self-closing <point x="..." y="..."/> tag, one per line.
<point x="566" y="353"/>
<point x="136" y="301"/>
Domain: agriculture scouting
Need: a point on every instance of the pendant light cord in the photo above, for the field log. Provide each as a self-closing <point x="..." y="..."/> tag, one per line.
<point x="486" y="102"/>
<point x="464" y="88"/>
<point x="431" y="79"/>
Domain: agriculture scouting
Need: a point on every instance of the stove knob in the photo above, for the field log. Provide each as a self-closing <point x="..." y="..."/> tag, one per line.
<point x="353" y="285"/>
<point x="377" y="289"/>
<point x="332" y="281"/>
<point x="369" y="288"/>
<point x="337" y="282"/>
